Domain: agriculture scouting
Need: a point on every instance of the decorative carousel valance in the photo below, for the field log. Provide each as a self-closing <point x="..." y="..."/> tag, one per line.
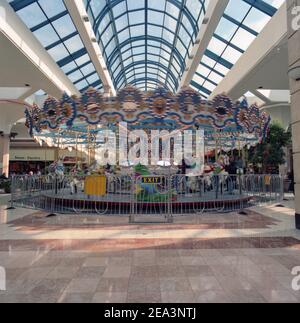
<point x="148" y="110"/>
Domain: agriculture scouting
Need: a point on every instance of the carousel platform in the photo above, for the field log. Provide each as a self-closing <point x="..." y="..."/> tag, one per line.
<point x="64" y="202"/>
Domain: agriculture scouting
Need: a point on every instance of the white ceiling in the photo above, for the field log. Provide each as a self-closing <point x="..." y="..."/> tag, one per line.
<point x="18" y="71"/>
<point x="272" y="72"/>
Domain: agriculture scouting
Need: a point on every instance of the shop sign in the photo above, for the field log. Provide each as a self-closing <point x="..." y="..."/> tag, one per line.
<point x="31" y="155"/>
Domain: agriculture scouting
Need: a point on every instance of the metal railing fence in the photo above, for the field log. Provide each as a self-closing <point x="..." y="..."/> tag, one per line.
<point x="166" y="195"/>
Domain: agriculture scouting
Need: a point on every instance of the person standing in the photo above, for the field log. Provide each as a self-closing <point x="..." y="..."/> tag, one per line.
<point x="231" y="179"/>
<point x="292" y="182"/>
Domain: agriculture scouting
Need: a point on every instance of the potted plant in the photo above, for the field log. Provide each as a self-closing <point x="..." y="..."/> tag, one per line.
<point x="6" y="186"/>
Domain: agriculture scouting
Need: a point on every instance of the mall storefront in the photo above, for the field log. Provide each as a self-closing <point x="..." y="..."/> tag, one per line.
<point x="23" y="161"/>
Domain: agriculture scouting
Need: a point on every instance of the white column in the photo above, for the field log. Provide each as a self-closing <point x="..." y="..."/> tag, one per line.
<point x="107" y="91"/>
<point x="294" y="60"/>
<point x="4" y="154"/>
<point x="10" y="114"/>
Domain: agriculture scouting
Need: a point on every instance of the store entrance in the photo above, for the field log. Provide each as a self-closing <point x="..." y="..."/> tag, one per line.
<point x="25" y="167"/>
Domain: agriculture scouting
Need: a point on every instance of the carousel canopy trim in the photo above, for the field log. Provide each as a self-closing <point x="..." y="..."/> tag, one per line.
<point x="148" y="110"/>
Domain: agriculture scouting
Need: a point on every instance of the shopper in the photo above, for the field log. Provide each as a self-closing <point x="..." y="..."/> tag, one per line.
<point x="231" y="179"/>
<point x="292" y="182"/>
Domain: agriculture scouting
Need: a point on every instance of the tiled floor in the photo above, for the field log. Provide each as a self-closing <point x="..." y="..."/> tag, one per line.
<point x="211" y="258"/>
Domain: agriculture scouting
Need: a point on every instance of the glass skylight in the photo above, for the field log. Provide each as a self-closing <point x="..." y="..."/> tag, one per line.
<point x="146" y="42"/>
<point x="52" y="25"/>
<point x="242" y="21"/>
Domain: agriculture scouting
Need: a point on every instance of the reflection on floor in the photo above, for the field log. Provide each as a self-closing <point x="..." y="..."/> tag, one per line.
<point x="205" y="258"/>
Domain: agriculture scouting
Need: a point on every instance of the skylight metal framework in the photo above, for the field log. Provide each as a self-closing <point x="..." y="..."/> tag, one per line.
<point x="240" y="25"/>
<point x="52" y="25"/>
<point x="146" y="42"/>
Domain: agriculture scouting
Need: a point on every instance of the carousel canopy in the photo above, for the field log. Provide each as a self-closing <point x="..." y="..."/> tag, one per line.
<point x="159" y="109"/>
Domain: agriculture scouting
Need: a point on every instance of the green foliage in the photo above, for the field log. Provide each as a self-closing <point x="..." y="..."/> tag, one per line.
<point x="271" y="151"/>
<point x="6" y="186"/>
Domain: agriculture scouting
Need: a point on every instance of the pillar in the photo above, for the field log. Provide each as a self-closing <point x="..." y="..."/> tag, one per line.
<point x="107" y="91"/>
<point x="294" y="60"/>
<point x="4" y="154"/>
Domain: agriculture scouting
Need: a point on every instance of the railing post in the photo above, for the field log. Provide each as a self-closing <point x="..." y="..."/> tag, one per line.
<point x="12" y="194"/>
<point x="169" y="187"/>
<point x="281" y="188"/>
<point x="131" y="216"/>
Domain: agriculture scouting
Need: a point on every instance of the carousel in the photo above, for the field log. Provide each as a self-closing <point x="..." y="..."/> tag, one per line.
<point x="74" y="123"/>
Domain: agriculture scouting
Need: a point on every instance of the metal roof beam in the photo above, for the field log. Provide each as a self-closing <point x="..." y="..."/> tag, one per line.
<point x="77" y="11"/>
<point x="261" y="96"/>
<point x="262" y="6"/>
<point x="14" y="29"/>
<point x="214" y="14"/>
<point x="235" y="82"/>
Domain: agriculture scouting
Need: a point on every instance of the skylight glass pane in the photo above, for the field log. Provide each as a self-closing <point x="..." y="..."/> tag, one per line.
<point x="53" y="7"/>
<point x="74" y="44"/>
<point x="64" y="26"/>
<point x="58" y="52"/>
<point x="129" y="28"/>
<point x="69" y="67"/>
<point x="32" y="15"/>
<point x="46" y="35"/>
<point x="256" y="20"/>
<point x="241" y="23"/>
<point x="159" y="38"/>
<point x="55" y="30"/>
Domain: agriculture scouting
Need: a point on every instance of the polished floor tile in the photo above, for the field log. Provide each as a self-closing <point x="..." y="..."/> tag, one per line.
<point x="216" y="259"/>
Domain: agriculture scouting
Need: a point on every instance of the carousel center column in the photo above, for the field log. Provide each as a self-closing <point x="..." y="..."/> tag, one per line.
<point x="293" y="7"/>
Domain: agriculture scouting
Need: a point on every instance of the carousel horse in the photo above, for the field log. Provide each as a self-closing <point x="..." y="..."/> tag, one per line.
<point x="193" y="176"/>
<point x="215" y="174"/>
<point x="76" y="178"/>
<point x="149" y="192"/>
<point x="57" y="175"/>
<point x="95" y="169"/>
<point x="57" y="170"/>
<point x="220" y="167"/>
<point x="192" y="183"/>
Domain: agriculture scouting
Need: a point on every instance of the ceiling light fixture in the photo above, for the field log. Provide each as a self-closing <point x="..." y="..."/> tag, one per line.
<point x="294" y="73"/>
<point x="205" y="21"/>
